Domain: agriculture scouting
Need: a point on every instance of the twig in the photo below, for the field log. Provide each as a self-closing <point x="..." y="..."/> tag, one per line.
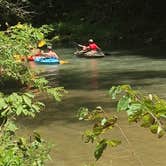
<point x="129" y="143"/>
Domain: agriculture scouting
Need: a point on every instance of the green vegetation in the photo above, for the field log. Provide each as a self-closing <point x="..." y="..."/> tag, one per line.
<point x="147" y="110"/>
<point x="18" y="40"/>
<point x="112" y="23"/>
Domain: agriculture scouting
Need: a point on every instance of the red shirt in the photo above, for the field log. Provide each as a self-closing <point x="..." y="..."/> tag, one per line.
<point x="93" y="46"/>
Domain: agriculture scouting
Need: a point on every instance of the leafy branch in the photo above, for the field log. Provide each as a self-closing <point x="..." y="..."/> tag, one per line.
<point x="103" y="123"/>
<point x="147" y="110"/>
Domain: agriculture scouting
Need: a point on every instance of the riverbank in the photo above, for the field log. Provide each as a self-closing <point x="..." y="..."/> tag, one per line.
<point x="109" y="36"/>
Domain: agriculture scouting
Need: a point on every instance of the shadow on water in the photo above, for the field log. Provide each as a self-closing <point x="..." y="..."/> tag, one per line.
<point x="104" y="80"/>
<point x="151" y="51"/>
<point x="65" y="112"/>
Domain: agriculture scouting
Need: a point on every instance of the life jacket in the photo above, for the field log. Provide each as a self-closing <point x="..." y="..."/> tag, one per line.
<point x="93" y="46"/>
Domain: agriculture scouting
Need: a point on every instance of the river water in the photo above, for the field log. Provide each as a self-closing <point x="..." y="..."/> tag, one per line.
<point x="87" y="82"/>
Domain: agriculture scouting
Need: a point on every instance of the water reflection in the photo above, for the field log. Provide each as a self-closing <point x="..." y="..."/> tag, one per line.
<point x="94" y="73"/>
<point x="43" y="68"/>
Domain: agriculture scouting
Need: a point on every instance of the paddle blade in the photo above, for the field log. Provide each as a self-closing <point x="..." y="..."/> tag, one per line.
<point x="63" y="62"/>
<point x="41" y="43"/>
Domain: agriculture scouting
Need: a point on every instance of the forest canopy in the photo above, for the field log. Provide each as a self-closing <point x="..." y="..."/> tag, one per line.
<point x="141" y="21"/>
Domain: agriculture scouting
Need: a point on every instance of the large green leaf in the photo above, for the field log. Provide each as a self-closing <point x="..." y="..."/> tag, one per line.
<point x="101" y="146"/>
<point x="3" y="104"/>
<point x="114" y="91"/>
<point x="27" y="100"/>
<point x="123" y="103"/>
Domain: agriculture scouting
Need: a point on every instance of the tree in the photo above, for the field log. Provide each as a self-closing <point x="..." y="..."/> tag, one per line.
<point x="17" y="40"/>
<point x="11" y="12"/>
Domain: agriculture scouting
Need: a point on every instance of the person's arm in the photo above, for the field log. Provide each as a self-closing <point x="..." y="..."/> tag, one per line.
<point x="84" y="48"/>
<point x="81" y="45"/>
<point x="56" y="55"/>
<point x="98" y="48"/>
<point x="44" y="53"/>
<point x="53" y="53"/>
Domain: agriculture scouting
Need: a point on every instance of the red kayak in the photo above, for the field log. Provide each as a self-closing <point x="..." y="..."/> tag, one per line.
<point x="32" y="57"/>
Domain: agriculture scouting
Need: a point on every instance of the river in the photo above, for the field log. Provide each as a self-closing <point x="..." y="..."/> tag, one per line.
<point x="87" y="82"/>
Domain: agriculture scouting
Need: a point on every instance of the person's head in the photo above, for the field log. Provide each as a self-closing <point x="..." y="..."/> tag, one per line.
<point x="90" y="40"/>
<point x="49" y="47"/>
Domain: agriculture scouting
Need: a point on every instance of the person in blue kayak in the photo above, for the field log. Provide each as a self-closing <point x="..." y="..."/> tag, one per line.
<point x="50" y="53"/>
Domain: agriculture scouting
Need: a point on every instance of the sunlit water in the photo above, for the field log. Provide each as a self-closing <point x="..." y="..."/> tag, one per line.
<point x="88" y="82"/>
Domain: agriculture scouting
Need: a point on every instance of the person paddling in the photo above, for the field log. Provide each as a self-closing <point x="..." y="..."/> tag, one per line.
<point x="50" y="53"/>
<point x="92" y="46"/>
<point x="90" y="49"/>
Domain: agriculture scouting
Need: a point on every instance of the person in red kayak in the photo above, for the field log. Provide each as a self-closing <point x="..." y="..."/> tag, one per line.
<point x="34" y="52"/>
<point x="90" y="49"/>
<point x="92" y="46"/>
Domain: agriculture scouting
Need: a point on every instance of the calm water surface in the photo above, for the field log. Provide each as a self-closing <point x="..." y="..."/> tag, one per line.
<point x="87" y="82"/>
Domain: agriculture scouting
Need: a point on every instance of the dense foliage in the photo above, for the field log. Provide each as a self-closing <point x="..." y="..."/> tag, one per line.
<point x="17" y="41"/>
<point x="129" y="21"/>
<point x="17" y="150"/>
<point x="15" y="44"/>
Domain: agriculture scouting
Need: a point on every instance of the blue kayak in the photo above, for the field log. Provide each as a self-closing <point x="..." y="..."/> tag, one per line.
<point x="46" y="60"/>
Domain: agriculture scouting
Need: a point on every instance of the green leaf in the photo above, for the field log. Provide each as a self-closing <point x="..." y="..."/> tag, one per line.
<point x="37" y="136"/>
<point x="19" y="110"/>
<point x="88" y="136"/>
<point x="133" y="108"/>
<point x="3" y="104"/>
<point x="123" y="103"/>
<point x="83" y="113"/>
<point x="103" y="121"/>
<point x="147" y="120"/>
<point x="97" y="131"/>
<point x="113" y="143"/>
<point x="36" y="107"/>
<point x="29" y="95"/>
<point x="114" y="91"/>
<point x="163" y="116"/>
<point x="27" y="100"/>
<point x="10" y="126"/>
<point x="101" y="146"/>
<point x="154" y="128"/>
